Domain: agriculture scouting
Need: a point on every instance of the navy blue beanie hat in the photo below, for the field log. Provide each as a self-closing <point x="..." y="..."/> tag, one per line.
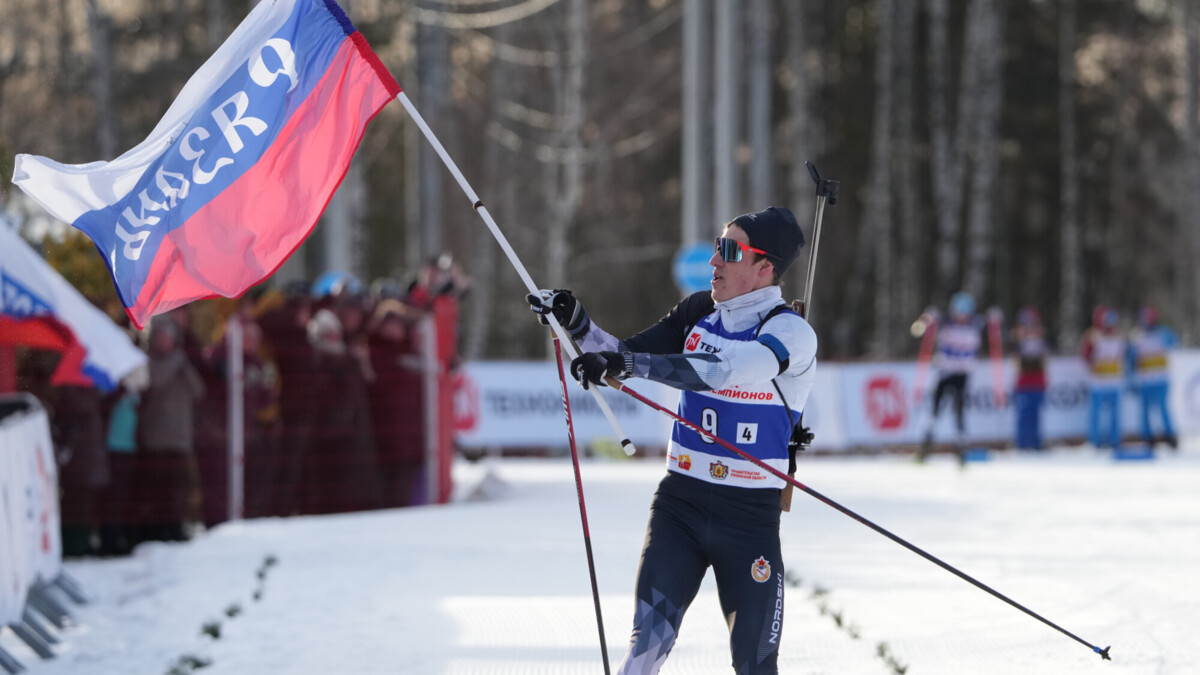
<point x="775" y="231"/>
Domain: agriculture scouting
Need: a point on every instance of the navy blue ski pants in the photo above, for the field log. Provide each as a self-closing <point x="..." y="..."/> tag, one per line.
<point x="694" y="525"/>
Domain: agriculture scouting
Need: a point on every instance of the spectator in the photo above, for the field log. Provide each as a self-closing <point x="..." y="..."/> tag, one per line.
<point x="342" y="467"/>
<point x="1104" y="350"/>
<point x="438" y="277"/>
<point x="1030" y="391"/>
<point x="83" y="466"/>
<point x="259" y="428"/>
<point x="284" y="319"/>
<point x="262" y="423"/>
<point x="438" y="288"/>
<point x="212" y="435"/>
<point x="116" y="537"/>
<point x="1148" y="347"/>
<point x="396" y="403"/>
<point x="167" y="478"/>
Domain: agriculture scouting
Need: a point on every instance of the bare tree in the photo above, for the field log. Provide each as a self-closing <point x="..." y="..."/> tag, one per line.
<point x="943" y="166"/>
<point x="904" y="166"/>
<point x="696" y="157"/>
<point x="433" y="78"/>
<point x="761" y="190"/>
<point x="726" y="120"/>
<point x="1071" y="260"/>
<point x="878" y="226"/>
<point x="1191" y="27"/>
<point x="100" y="32"/>
<point x="986" y="165"/>
<point x="806" y="123"/>
<point x="214" y="11"/>
<point x="563" y="174"/>
<point x="479" y="304"/>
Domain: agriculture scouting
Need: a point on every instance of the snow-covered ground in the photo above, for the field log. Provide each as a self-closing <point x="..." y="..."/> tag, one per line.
<point x="1108" y="550"/>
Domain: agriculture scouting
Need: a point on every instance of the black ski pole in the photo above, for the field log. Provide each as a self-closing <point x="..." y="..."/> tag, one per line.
<point x="587" y="537"/>
<point x="613" y="382"/>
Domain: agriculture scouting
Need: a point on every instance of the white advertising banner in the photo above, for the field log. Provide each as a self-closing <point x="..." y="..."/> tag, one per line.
<point x="1185" y="392"/>
<point x="519" y="404"/>
<point x="822" y="413"/>
<point x="881" y="405"/>
<point x="510" y="404"/>
<point x="852" y="405"/>
<point x="30" y="542"/>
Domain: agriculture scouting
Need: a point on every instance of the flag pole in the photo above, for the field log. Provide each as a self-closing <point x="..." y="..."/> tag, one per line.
<point x="476" y="204"/>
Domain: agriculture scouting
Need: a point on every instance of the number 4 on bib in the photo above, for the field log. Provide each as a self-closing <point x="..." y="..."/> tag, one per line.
<point x="747" y="432"/>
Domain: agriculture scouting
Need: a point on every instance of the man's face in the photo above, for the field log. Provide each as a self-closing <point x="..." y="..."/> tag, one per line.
<point x="731" y="279"/>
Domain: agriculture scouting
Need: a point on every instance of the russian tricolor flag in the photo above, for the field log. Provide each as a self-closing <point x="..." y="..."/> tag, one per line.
<point x="238" y="171"/>
<point x="39" y="308"/>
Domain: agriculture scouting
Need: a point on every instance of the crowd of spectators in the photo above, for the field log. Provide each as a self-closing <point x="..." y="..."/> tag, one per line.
<point x="332" y="410"/>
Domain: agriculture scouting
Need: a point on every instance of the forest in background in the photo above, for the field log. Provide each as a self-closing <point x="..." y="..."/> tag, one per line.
<point x="1034" y="152"/>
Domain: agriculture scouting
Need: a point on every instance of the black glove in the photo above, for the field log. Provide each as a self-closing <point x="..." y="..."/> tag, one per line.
<point x="562" y="303"/>
<point x="593" y="367"/>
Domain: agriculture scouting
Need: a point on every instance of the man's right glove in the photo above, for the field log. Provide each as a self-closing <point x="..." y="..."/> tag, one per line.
<point x="590" y="368"/>
<point x="566" y="309"/>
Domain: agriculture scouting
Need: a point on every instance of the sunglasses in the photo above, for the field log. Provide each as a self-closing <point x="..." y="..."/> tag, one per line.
<point x="731" y="250"/>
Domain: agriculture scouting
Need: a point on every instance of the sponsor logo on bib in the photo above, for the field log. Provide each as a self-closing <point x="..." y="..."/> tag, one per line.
<point x="718" y="470"/>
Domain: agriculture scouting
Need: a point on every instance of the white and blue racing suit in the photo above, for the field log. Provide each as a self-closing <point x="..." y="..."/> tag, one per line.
<point x="715" y="508"/>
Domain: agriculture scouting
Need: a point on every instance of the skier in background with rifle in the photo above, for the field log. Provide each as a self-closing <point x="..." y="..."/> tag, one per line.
<point x="955" y="346"/>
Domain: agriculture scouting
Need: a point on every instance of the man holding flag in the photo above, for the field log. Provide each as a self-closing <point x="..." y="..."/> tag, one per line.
<point x="744" y="365"/>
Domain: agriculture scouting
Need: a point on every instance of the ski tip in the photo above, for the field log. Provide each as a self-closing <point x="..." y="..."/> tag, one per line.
<point x="1103" y="652"/>
<point x="627" y="445"/>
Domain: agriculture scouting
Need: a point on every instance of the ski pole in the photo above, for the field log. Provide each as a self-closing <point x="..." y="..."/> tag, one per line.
<point x="613" y="382"/>
<point x="510" y="253"/>
<point x="587" y="537"/>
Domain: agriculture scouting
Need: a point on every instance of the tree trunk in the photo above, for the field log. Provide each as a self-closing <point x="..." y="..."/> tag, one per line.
<point x="433" y="56"/>
<point x="1191" y="230"/>
<point x="215" y="17"/>
<point x="986" y="165"/>
<point x="878" y="220"/>
<point x="342" y="223"/>
<point x="563" y="174"/>
<point x="1070" y="310"/>
<point x="806" y="124"/>
<point x="942" y="158"/>
<point x="697" y="148"/>
<point x="913" y="234"/>
<point x="1116" y="236"/>
<point x="100" y="32"/>
<point x="761" y="188"/>
<point x="726" y="118"/>
<point x="486" y="294"/>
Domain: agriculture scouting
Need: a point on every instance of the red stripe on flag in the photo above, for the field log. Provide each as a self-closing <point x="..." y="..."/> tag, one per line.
<point x="47" y="332"/>
<point x="243" y="235"/>
<point x="385" y="76"/>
